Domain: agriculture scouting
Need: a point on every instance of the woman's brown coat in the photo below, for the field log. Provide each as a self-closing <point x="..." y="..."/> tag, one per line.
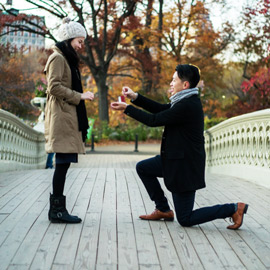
<point x="62" y="134"/>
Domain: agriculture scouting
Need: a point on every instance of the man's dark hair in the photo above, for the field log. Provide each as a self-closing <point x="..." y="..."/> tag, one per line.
<point x="189" y="73"/>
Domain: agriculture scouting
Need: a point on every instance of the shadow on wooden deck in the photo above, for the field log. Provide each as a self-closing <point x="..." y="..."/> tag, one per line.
<point x="106" y="193"/>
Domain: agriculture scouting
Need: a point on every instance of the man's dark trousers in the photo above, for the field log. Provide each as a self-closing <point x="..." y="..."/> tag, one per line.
<point x="149" y="169"/>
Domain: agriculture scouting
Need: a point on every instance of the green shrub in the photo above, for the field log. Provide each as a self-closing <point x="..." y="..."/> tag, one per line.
<point x="126" y="132"/>
<point x="208" y="123"/>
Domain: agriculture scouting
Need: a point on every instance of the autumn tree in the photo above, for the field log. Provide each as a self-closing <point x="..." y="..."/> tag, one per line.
<point x="140" y="35"/>
<point x="17" y="81"/>
<point x="161" y="37"/>
<point x="189" y="37"/>
<point x="140" y="47"/>
<point x="255" y="92"/>
<point x="103" y="20"/>
<point x="254" y="41"/>
<point x="258" y="88"/>
<point x="253" y="50"/>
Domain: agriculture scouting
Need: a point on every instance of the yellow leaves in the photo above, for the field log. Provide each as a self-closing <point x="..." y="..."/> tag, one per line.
<point x="128" y="38"/>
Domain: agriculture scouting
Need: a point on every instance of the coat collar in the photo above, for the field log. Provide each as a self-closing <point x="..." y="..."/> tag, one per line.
<point x="55" y="49"/>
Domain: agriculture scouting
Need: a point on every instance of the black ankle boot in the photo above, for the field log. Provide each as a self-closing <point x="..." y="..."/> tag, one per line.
<point x="58" y="212"/>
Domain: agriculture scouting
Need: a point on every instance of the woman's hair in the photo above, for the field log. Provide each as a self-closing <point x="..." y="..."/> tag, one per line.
<point x="69" y="52"/>
<point x="188" y="73"/>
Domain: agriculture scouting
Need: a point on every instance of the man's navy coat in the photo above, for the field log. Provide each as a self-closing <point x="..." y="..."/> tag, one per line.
<point x="182" y="148"/>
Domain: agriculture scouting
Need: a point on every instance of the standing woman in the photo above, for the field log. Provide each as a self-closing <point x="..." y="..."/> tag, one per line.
<point x="66" y="121"/>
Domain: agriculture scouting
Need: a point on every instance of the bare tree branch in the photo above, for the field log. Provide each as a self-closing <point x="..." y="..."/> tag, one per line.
<point x="105" y="29"/>
<point x="127" y="12"/>
<point x="50" y="10"/>
<point x="120" y="75"/>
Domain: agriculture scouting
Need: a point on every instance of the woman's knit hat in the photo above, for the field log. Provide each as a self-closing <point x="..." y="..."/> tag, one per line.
<point x="70" y="29"/>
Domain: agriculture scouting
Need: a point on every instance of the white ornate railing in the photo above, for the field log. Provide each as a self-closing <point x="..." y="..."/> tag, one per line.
<point x="21" y="147"/>
<point x="240" y="147"/>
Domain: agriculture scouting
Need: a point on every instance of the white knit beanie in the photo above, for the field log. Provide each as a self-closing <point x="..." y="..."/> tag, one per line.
<point x="70" y="29"/>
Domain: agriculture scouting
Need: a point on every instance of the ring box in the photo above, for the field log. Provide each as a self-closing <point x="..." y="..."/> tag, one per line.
<point x="121" y="99"/>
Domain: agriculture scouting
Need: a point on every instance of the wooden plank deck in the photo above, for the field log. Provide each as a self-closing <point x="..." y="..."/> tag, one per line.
<point x="105" y="191"/>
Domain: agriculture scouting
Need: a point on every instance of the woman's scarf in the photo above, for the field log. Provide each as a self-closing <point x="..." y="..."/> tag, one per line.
<point x="73" y="61"/>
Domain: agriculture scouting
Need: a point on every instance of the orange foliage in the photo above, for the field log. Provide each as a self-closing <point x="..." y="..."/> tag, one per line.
<point x="141" y="61"/>
<point x="212" y="108"/>
<point x="17" y="82"/>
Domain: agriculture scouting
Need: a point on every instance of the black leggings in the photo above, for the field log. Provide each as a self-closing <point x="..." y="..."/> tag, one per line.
<point x="59" y="178"/>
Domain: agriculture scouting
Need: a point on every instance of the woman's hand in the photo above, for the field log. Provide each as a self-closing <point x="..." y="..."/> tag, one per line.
<point x="87" y="96"/>
<point x="128" y="93"/>
<point x="118" y="106"/>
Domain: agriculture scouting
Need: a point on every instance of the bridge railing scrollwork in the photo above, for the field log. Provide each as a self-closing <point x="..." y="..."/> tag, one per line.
<point x="240" y="147"/>
<point x="21" y="147"/>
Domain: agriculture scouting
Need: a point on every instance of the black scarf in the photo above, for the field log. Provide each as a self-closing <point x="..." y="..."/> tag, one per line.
<point x="73" y="61"/>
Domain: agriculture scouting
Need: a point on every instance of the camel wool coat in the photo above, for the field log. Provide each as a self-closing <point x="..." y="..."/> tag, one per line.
<point x="62" y="133"/>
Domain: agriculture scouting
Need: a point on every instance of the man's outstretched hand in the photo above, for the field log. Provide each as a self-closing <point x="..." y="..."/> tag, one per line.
<point x="118" y="106"/>
<point x="128" y="93"/>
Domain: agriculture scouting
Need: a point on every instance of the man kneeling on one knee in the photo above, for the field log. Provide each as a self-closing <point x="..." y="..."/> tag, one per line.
<point x="182" y="157"/>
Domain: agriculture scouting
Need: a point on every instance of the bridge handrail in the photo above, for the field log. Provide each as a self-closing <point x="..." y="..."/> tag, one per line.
<point x="240" y="147"/>
<point x="21" y="147"/>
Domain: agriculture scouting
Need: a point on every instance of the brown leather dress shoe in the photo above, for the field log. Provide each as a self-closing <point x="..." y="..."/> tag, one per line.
<point x="158" y="215"/>
<point x="238" y="216"/>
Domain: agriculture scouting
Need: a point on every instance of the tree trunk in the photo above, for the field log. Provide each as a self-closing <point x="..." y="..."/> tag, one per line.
<point x="147" y="83"/>
<point x="147" y="71"/>
<point x="103" y="110"/>
<point x="145" y="55"/>
<point x="160" y="28"/>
